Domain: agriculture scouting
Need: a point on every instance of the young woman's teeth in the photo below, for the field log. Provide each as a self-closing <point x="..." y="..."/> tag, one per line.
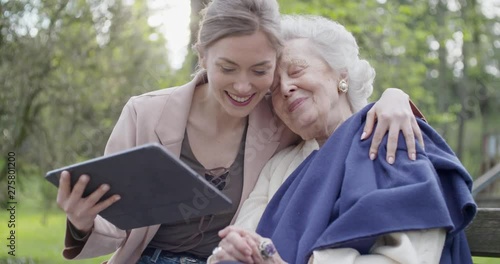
<point x="239" y="99"/>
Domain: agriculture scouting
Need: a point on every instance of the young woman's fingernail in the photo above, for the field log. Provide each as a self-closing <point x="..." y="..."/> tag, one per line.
<point x="413" y="156"/>
<point x="363" y="135"/>
<point x="390" y="160"/>
<point x="372" y="156"/>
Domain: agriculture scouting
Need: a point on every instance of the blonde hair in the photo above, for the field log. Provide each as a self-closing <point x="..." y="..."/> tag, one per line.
<point x="226" y="18"/>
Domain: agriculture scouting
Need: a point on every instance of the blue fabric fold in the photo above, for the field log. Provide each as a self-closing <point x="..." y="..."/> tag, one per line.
<point x="339" y="198"/>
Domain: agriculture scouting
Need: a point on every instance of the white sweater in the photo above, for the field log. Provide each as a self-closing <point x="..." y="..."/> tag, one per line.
<point x="423" y="246"/>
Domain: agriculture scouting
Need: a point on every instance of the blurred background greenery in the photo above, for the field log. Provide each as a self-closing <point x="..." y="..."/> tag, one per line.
<point x="68" y="67"/>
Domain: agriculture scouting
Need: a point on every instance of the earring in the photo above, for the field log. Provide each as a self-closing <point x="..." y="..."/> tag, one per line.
<point x="343" y="86"/>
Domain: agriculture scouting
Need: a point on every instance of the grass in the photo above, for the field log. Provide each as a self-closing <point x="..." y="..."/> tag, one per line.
<point x="486" y="260"/>
<point x="37" y="242"/>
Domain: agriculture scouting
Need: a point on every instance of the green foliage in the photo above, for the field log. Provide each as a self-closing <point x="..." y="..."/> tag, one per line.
<point x="68" y="67"/>
<point x="413" y="45"/>
<point x="66" y="73"/>
<point x="65" y="79"/>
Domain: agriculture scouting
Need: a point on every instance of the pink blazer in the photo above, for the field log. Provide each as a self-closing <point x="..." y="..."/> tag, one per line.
<point x="161" y="116"/>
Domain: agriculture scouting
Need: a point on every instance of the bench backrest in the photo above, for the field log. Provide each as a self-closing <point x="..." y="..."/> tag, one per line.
<point x="483" y="234"/>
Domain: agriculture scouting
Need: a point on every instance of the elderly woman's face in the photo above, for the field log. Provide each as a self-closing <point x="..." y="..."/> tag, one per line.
<point x="307" y="95"/>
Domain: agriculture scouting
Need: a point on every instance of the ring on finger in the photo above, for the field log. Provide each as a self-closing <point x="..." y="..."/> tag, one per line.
<point x="267" y="248"/>
<point x="216" y="250"/>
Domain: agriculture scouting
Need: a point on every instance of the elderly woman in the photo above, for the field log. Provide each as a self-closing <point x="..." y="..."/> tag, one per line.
<point x="324" y="201"/>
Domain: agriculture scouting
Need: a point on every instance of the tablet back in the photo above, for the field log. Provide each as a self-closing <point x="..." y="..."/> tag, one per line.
<point x="155" y="187"/>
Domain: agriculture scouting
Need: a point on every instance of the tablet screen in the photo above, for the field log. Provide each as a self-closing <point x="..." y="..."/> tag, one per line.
<point x="155" y="187"/>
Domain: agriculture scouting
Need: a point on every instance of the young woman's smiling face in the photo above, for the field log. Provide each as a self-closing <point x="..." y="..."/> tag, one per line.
<point x="240" y="71"/>
<point x="306" y="98"/>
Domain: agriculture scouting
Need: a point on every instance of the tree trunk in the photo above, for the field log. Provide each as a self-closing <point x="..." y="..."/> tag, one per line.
<point x="1" y="24"/>
<point x="468" y="47"/>
<point x="444" y="85"/>
<point x="194" y="26"/>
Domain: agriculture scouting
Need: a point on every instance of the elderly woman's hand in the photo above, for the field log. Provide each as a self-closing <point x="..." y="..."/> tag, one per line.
<point x="241" y="245"/>
<point x="392" y="113"/>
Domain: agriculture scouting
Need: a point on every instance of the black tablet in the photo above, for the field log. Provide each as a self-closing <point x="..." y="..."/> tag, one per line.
<point x="155" y="187"/>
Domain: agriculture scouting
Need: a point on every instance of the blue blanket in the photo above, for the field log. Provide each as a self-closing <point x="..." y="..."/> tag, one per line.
<point x="339" y="198"/>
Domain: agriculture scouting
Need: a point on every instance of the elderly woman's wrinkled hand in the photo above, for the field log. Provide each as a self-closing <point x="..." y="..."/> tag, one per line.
<point x="241" y="245"/>
<point x="392" y="113"/>
<point x="233" y="246"/>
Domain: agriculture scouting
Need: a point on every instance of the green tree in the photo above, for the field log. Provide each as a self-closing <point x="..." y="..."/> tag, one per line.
<point x="66" y="77"/>
<point x="439" y="52"/>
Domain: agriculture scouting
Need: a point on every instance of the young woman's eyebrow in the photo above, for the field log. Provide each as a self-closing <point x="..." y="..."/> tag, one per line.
<point x="227" y="60"/>
<point x="262" y="63"/>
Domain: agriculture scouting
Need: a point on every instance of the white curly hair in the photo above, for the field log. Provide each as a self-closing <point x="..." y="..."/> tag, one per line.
<point x="338" y="48"/>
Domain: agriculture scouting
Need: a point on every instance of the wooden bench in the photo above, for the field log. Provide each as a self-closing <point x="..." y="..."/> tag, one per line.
<point x="483" y="234"/>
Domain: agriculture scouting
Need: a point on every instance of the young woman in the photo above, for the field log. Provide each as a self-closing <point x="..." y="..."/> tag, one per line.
<point x="220" y="123"/>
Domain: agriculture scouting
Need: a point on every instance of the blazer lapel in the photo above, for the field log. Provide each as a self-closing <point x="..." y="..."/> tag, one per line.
<point x="172" y="122"/>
